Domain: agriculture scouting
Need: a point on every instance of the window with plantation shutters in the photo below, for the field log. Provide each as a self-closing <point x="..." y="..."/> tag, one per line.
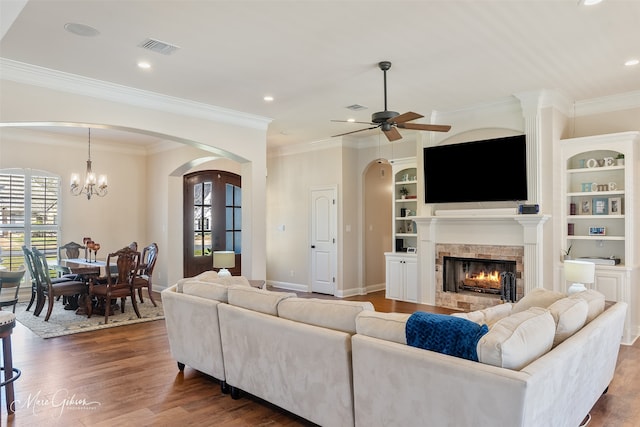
<point x="29" y="208"/>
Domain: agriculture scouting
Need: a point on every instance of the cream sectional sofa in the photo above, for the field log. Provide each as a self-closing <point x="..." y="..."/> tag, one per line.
<point x="544" y="361"/>
<point x="538" y="367"/>
<point x="191" y="318"/>
<point x="292" y="352"/>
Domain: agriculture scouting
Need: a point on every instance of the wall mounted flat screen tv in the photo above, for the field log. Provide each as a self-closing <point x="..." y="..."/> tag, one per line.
<point x="491" y="170"/>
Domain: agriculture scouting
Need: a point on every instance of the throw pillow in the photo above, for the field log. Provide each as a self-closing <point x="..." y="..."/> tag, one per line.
<point x="488" y="316"/>
<point x="231" y="280"/>
<point x="337" y="315"/>
<point x="538" y="297"/>
<point x="570" y="314"/>
<point x="384" y="326"/>
<point x="206" y="290"/>
<point x="518" y="340"/>
<point x="594" y="299"/>
<point x="206" y="276"/>
<point x="256" y="299"/>
<point x="445" y="334"/>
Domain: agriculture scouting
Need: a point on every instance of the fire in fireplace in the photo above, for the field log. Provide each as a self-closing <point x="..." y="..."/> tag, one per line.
<point x="486" y="276"/>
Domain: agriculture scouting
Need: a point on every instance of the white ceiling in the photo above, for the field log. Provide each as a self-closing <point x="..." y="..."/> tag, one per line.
<point x="317" y="57"/>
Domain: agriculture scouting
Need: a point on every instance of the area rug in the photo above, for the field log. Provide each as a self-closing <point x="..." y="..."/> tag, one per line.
<point x="67" y="322"/>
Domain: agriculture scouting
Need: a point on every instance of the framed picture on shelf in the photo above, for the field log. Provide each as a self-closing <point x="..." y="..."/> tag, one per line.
<point x="615" y="206"/>
<point x="600" y="206"/>
<point x="597" y="231"/>
<point x="585" y="207"/>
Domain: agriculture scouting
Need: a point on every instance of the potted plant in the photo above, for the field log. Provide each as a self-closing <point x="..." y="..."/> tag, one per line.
<point x="620" y="159"/>
<point x="403" y="192"/>
<point x="567" y="253"/>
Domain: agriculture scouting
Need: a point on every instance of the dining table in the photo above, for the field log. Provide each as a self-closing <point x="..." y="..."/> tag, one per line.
<point x="86" y="270"/>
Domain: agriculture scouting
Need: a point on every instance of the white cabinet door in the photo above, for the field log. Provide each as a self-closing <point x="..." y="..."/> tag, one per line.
<point x="402" y="278"/>
<point x="609" y="284"/>
<point x="395" y="275"/>
<point x="411" y="280"/>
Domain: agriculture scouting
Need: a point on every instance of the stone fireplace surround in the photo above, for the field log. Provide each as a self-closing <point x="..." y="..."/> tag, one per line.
<point x="482" y="227"/>
<point x="467" y="301"/>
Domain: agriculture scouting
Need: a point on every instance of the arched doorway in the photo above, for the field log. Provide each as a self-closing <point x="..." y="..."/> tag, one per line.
<point x="377" y="222"/>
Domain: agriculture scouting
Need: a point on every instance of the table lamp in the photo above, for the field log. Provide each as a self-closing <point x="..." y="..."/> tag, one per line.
<point x="222" y="260"/>
<point x="579" y="273"/>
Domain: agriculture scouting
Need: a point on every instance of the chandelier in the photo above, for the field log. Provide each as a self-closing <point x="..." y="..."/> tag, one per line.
<point x="91" y="184"/>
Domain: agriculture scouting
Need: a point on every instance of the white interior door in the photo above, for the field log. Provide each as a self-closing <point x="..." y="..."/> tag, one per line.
<point x="323" y="240"/>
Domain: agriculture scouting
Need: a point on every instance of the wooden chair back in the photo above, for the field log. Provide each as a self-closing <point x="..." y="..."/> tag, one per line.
<point x="69" y="250"/>
<point x="123" y="264"/>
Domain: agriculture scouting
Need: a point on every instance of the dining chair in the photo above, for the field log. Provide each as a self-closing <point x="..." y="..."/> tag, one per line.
<point x="48" y="288"/>
<point x="10" y="287"/>
<point x="67" y="251"/>
<point x="116" y="286"/>
<point x="144" y="277"/>
<point x="29" y="262"/>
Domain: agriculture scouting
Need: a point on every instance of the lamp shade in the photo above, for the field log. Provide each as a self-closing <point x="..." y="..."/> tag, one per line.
<point x="224" y="259"/>
<point x="579" y="271"/>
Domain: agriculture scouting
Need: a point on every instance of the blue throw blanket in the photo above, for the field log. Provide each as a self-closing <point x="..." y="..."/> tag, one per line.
<point x="445" y="334"/>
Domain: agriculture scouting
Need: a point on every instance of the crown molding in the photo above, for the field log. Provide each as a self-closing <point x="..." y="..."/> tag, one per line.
<point x="66" y="82"/>
<point x="607" y="104"/>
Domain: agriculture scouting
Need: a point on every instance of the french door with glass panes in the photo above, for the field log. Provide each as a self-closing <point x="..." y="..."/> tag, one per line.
<point x="212" y="219"/>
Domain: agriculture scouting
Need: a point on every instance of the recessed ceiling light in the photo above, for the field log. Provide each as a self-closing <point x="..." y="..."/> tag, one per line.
<point x="81" y="29"/>
<point x="144" y="65"/>
<point x="268" y="98"/>
<point x="632" y="62"/>
<point x="588" y="2"/>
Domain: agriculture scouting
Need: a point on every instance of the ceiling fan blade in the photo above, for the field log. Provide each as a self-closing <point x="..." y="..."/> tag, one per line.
<point x="392" y="134"/>
<point x="418" y="126"/>
<point x="348" y="121"/>
<point x="354" y="131"/>
<point x="406" y="117"/>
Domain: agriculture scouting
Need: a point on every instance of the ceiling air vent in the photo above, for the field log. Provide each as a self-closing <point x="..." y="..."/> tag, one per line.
<point x="356" y="107"/>
<point x="158" y="46"/>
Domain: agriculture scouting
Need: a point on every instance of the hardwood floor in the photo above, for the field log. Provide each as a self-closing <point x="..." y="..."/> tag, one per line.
<point x="126" y="376"/>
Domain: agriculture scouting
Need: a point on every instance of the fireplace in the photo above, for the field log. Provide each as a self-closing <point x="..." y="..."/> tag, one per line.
<point x="472" y="260"/>
<point x="478" y="275"/>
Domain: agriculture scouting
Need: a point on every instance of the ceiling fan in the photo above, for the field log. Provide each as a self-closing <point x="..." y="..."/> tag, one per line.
<point x="389" y="121"/>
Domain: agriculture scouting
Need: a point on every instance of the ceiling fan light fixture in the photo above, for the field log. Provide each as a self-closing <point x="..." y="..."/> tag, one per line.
<point x="389" y="121"/>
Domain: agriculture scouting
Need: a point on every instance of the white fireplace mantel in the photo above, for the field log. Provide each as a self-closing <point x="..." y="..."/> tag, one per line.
<point x="493" y="227"/>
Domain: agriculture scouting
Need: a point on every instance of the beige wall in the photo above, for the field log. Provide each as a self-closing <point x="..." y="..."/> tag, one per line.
<point x="243" y="143"/>
<point x="378" y="221"/>
<point x="289" y="182"/>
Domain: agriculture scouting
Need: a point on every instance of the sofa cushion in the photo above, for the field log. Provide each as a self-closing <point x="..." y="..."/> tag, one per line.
<point x="538" y="297"/>
<point x="570" y="314"/>
<point x="595" y="301"/>
<point x="256" y="299"/>
<point x="338" y="315"/>
<point x="384" y="326"/>
<point x="231" y="280"/>
<point x="208" y="290"/>
<point x="445" y="334"/>
<point x="206" y="276"/>
<point x="519" y="339"/>
<point x="488" y="316"/>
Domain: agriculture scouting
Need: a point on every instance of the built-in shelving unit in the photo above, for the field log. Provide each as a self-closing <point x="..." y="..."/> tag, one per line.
<point x="405" y="204"/>
<point x="600" y="184"/>
<point x="401" y="262"/>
